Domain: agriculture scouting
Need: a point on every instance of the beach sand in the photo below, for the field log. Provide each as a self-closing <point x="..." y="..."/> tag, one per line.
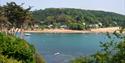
<point x="98" y="30"/>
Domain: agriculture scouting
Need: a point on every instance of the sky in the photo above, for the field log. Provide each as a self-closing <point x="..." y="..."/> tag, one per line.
<point x="117" y="6"/>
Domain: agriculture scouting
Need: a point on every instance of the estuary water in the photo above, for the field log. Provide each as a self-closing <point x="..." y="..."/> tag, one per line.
<point x="62" y="47"/>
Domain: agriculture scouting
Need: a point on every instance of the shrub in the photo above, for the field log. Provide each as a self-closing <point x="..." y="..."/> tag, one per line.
<point x="76" y="26"/>
<point x="4" y="59"/>
<point x="16" y="48"/>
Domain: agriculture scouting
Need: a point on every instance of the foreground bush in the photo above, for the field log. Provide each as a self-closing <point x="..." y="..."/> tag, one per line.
<point x="4" y="59"/>
<point x="17" y="48"/>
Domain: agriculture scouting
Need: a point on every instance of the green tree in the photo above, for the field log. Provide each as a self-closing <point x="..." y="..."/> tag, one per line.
<point x="16" y="14"/>
<point x="3" y="19"/>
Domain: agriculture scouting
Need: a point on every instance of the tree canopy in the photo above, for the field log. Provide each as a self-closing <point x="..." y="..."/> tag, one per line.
<point x="15" y="15"/>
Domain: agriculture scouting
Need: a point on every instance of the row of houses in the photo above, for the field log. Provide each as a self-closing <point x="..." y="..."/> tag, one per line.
<point x="89" y="26"/>
<point x="97" y="25"/>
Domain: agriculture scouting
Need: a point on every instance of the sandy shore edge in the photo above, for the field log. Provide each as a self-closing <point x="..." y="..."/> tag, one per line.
<point x="98" y="30"/>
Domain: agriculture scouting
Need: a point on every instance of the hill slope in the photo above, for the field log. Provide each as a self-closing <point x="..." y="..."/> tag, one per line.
<point x="77" y="18"/>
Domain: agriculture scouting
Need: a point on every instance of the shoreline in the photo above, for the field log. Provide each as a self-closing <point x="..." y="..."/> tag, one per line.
<point x="98" y="30"/>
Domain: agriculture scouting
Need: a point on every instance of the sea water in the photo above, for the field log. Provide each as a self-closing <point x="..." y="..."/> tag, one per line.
<point x="62" y="47"/>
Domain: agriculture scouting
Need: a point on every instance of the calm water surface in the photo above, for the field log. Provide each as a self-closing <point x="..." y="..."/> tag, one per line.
<point x="60" y="47"/>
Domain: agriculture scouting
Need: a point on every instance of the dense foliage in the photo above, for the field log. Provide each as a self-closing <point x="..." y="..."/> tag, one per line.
<point x="17" y="50"/>
<point x="4" y="59"/>
<point x="13" y="15"/>
<point x="79" y="19"/>
<point x="13" y="49"/>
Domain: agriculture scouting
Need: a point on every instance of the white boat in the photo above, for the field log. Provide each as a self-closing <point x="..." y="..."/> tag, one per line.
<point x="56" y="53"/>
<point x="27" y="34"/>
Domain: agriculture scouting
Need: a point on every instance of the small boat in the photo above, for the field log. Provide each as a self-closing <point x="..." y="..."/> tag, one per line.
<point x="56" y="53"/>
<point x="27" y="34"/>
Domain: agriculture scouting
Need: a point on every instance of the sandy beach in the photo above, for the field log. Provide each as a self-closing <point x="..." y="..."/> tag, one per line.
<point x="98" y="30"/>
<point x="103" y="30"/>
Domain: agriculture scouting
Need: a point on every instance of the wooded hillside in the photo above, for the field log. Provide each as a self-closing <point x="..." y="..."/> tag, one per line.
<point x="77" y="18"/>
